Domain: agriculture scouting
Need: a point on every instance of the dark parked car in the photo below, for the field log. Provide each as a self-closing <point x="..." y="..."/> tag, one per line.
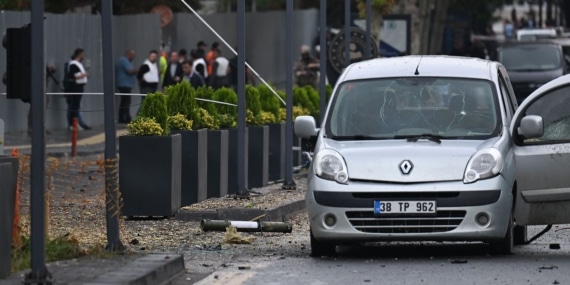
<point x="531" y="64"/>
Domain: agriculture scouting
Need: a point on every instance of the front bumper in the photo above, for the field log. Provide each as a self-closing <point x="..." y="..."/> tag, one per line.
<point x="458" y="206"/>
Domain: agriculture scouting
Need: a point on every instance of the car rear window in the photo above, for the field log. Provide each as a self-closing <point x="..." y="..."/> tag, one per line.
<point x="530" y="57"/>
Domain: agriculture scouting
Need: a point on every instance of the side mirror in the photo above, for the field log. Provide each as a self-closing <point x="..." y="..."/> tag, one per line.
<point x="531" y="127"/>
<point x="305" y="127"/>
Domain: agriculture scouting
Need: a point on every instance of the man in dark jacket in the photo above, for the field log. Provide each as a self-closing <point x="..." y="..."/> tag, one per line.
<point x="173" y="73"/>
<point x="193" y="76"/>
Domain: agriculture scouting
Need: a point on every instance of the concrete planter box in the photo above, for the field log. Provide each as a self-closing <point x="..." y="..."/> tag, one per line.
<point x="258" y="157"/>
<point x="276" y="151"/>
<point x="9" y="177"/>
<point x="218" y="141"/>
<point x="150" y="175"/>
<point x="194" y="179"/>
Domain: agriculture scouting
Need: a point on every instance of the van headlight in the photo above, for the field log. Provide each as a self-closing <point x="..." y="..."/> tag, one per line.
<point x="483" y="164"/>
<point x="330" y="165"/>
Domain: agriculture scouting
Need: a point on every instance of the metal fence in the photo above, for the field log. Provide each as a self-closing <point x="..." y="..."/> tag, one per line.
<point x="265" y="36"/>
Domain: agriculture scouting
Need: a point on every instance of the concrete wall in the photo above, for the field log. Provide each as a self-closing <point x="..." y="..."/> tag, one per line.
<point x="265" y="50"/>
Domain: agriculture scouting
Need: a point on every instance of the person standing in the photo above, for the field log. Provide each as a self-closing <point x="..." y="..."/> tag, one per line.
<point x="126" y="74"/>
<point x="306" y="69"/>
<point x="211" y="57"/>
<point x="173" y="73"/>
<point x="198" y="60"/>
<point x="148" y="75"/>
<point x="76" y="80"/>
<point x="220" y="71"/>
<point x="192" y="76"/>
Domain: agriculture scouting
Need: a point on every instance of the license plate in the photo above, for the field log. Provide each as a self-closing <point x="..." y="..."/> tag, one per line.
<point x="404" y="207"/>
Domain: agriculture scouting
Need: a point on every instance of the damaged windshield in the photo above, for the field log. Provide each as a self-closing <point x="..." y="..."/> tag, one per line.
<point x="395" y="107"/>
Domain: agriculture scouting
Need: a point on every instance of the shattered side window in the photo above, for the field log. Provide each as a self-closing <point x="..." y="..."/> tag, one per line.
<point x="554" y="108"/>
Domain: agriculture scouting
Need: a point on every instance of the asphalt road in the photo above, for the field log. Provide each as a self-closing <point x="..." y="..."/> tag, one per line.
<point x="409" y="263"/>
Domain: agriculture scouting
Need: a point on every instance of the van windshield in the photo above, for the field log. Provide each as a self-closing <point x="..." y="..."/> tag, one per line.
<point x="388" y="108"/>
<point x="530" y="57"/>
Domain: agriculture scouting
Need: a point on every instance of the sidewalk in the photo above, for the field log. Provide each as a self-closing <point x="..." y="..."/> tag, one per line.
<point x="58" y="142"/>
<point x="156" y="267"/>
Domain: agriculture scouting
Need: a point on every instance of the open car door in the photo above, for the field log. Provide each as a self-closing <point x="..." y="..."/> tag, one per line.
<point x="541" y="132"/>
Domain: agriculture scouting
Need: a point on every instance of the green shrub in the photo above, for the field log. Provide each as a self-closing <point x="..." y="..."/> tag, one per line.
<point x="301" y="99"/>
<point x="253" y="104"/>
<point x="314" y="98"/>
<point x="297" y="111"/>
<point x="180" y="98"/>
<point x="226" y="114"/>
<point x="205" y="120"/>
<point x="267" y="118"/>
<point x="269" y="102"/>
<point x="329" y="91"/>
<point x="144" y="126"/>
<point x="179" y="122"/>
<point x="226" y="95"/>
<point x="207" y="93"/>
<point x="154" y="106"/>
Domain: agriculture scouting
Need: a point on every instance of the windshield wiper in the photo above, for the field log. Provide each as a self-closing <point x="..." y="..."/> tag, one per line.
<point x="415" y="138"/>
<point x="355" y="138"/>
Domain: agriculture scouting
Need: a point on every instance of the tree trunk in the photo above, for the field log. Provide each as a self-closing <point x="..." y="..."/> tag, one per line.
<point x="424" y="22"/>
<point x="441" y="7"/>
<point x="375" y="26"/>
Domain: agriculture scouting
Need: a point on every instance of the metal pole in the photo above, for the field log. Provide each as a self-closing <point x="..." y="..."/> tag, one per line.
<point x="368" y="30"/>
<point x="289" y="183"/>
<point x="242" y="191"/>
<point x="113" y="205"/>
<point x="323" y="59"/>
<point x="347" y="32"/>
<point x="39" y="273"/>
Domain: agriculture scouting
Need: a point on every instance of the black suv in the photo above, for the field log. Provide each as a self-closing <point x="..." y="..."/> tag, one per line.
<point x="531" y="64"/>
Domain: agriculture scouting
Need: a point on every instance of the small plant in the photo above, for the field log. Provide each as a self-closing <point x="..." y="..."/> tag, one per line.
<point x="59" y="248"/>
<point x="227" y="114"/>
<point x="269" y="102"/>
<point x="155" y="106"/>
<point x="329" y="91"/>
<point x="180" y="98"/>
<point x="297" y="111"/>
<point x="207" y="93"/>
<point x="179" y="122"/>
<point x="205" y="120"/>
<point x="314" y="98"/>
<point x="267" y="118"/>
<point x="143" y="126"/>
<point x="227" y="121"/>
<point x="229" y="96"/>
<point x="253" y="104"/>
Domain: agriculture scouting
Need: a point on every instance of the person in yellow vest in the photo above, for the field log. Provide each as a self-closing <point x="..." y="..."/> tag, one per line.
<point x="162" y="63"/>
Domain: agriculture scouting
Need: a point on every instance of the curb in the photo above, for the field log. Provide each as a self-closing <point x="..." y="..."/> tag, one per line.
<point x="241" y="214"/>
<point x="151" y="269"/>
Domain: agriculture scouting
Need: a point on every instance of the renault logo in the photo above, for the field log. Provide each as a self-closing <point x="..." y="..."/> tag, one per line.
<point x="406" y="167"/>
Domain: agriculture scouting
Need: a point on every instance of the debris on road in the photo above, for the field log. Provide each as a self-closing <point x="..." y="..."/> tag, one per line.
<point x="233" y="237"/>
<point x="554" y="246"/>
<point x="246" y="226"/>
<point x="459" y="261"/>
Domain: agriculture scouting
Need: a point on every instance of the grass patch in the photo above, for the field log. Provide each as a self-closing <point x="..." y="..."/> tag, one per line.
<point x="59" y="248"/>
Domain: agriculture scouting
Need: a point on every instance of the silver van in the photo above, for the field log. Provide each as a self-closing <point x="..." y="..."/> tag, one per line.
<point x="434" y="148"/>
